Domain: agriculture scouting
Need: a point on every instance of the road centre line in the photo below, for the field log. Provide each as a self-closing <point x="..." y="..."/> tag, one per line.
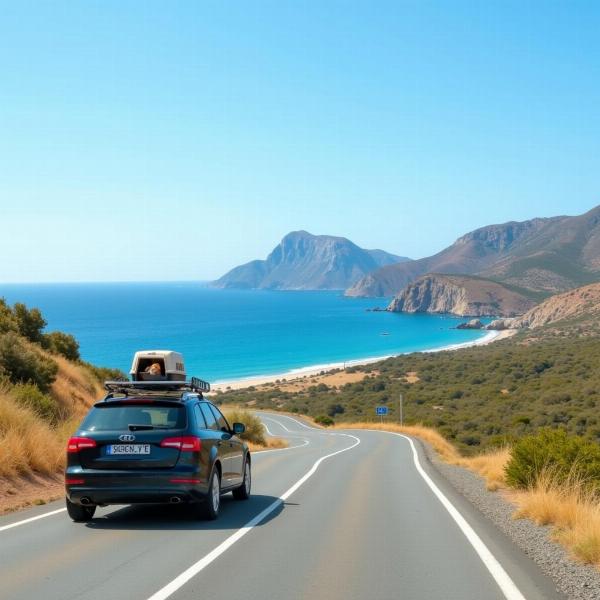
<point x="200" y="565"/>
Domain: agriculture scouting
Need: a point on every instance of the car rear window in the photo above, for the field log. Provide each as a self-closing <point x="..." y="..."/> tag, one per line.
<point x="108" y="418"/>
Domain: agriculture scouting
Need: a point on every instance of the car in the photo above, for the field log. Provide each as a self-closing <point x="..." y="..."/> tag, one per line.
<point x="155" y="442"/>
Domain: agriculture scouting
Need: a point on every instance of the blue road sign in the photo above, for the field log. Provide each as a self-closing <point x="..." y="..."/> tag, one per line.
<point x="381" y="411"/>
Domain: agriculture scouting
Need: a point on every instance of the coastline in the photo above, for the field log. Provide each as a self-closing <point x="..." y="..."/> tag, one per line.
<point x="311" y="371"/>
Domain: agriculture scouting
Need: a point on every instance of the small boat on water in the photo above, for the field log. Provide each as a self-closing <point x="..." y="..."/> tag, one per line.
<point x="385" y="333"/>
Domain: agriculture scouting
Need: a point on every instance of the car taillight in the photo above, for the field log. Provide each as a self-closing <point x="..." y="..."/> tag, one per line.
<point x="185" y="443"/>
<point x="75" y="444"/>
<point x="74" y="481"/>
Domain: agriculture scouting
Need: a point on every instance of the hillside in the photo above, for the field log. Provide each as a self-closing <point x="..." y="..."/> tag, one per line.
<point x="579" y="306"/>
<point x="477" y="397"/>
<point x="303" y="261"/>
<point x="460" y="295"/>
<point x="542" y="255"/>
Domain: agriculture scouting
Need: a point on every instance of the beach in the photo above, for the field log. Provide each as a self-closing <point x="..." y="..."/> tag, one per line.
<point x="300" y="377"/>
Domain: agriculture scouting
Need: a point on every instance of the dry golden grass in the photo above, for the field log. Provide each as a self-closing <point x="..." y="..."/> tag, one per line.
<point x="490" y="465"/>
<point x="75" y="388"/>
<point x="270" y="444"/>
<point x="26" y="442"/>
<point x="440" y="444"/>
<point x="571" y="507"/>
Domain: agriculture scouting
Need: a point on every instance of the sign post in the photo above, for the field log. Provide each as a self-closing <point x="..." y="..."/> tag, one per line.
<point x="381" y="411"/>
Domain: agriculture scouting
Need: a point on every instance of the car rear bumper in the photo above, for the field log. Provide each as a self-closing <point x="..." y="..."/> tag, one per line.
<point x="127" y="488"/>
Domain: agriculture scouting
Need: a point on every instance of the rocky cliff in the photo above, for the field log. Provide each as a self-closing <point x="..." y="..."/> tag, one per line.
<point x="542" y="255"/>
<point x="460" y="295"/>
<point x="582" y="303"/>
<point x="303" y="261"/>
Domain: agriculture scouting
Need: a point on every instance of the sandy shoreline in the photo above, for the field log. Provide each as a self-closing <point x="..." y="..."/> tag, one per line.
<point x="295" y="374"/>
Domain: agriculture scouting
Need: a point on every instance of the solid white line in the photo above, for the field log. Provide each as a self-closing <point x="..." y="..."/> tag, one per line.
<point x="501" y="577"/>
<point x="31" y="519"/>
<point x="267" y="430"/>
<point x="192" y="571"/>
<point x="300" y="423"/>
<point x="278" y="423"/>
<point x="306" y="443"/>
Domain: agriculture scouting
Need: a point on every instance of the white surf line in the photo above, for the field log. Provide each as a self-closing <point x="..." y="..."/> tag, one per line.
<point x="31" y="519"/>
<point x="197" y="567"/>
<point x="501" y="577"/>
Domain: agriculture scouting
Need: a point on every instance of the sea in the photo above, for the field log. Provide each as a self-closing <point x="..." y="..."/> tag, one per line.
<point x="226" y="335"/>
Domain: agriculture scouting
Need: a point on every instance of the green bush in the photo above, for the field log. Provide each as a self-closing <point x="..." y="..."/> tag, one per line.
<point x="61" y="343"/>
<point x="324" y="420"/>
<point x="255" y="432"/>
<point x="30" y="322"/>
<point x="7" y="318"/>
<point x="22" y="364"/>
<point x="555" y="452"/>
<point x="30" y="396"/>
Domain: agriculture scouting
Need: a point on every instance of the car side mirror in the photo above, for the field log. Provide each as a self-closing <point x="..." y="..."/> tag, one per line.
<point x="238" y="428"/>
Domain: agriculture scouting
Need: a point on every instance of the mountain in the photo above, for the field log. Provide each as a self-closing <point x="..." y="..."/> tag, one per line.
<point x="545" y="255"/>
<point x="579" y="305"/>
<point x="303" y="261"/>
<point x="461" y="295"/>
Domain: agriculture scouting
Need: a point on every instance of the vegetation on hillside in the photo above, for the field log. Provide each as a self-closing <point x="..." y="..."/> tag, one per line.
<point x="478" y="397"/>
<point x="44" y="390"/>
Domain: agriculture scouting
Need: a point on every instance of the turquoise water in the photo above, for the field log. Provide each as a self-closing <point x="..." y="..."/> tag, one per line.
<point x="230" y="334"/>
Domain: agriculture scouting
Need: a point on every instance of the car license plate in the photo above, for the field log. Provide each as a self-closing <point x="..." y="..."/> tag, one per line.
<point x="128" y="449"/>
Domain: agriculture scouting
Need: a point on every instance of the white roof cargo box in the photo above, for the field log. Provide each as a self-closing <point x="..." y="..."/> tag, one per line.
<point x="157" y="365"/>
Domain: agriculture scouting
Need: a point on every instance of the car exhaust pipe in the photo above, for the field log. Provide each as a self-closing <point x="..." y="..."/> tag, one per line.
<point x="86" y="501"/>
<point x="174" y="500"/>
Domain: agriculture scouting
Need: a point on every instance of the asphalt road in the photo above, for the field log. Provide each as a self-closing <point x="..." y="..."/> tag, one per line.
<point x="338" y="515"/>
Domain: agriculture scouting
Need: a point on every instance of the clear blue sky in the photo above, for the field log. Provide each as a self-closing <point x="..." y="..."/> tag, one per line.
<point x="174" y="140"/>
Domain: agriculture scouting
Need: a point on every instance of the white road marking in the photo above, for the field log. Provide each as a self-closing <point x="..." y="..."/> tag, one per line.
<point x="267" y="429"/>
<point x="501" y="577"/>
<point x="31" y="519"/>
<point x="299" y="423"/>
<point x="306" y="443"/>
<point x="197" y="567"/>
<point x="278" y="423"/>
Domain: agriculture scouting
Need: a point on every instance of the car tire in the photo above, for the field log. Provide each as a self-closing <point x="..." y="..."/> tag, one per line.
<point x="213" y="498"/>
<point x="243" y="492"/>
<point x="79" y="513"/>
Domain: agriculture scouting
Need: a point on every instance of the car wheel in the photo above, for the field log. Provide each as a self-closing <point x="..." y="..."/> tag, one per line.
<point x="243" y="492"/>
<point x="79" y="513"/>
<point x="213" y="499"/>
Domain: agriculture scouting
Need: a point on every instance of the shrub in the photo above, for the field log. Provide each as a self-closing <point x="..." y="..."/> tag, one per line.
<point x="22" y="364"/>
<point x="7" y="318"/>
<point x="30" y="396"/>
<point x="565" y="457"/>
<point x="324" y="420"/>
<point x="30" y="322"/>
<point x="255" y="431"/>
<point x="61" y="343"/>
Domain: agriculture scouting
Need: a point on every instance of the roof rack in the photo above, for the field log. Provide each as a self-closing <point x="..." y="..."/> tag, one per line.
<point x="137" y="388"/>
